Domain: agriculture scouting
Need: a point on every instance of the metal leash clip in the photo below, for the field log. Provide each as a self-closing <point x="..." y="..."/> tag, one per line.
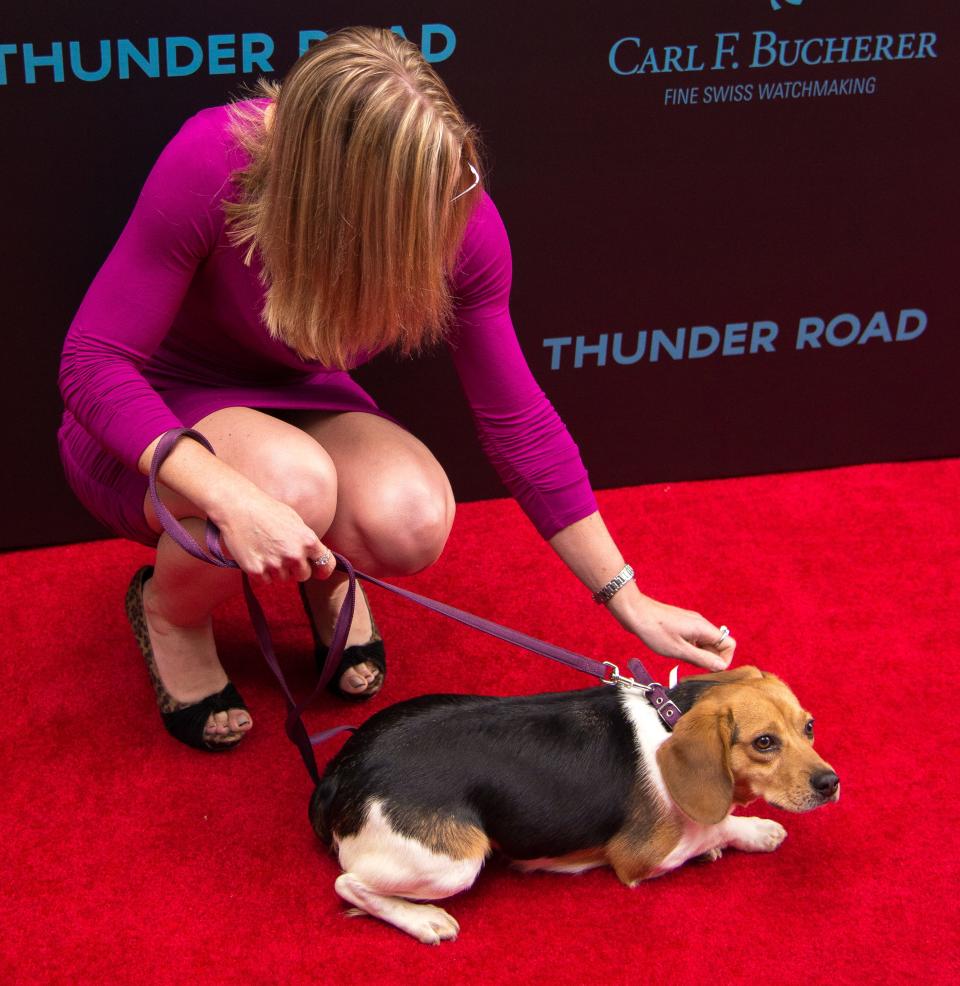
<point x="618" y="679"/>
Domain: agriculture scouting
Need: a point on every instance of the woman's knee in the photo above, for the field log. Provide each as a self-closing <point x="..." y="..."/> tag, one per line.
<point x="303" y="478"/>
<point x="402" y="527"/>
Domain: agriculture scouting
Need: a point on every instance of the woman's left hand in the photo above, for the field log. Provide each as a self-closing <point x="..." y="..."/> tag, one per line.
<point x="589" y="551"/>
<point x="673" y="632"/>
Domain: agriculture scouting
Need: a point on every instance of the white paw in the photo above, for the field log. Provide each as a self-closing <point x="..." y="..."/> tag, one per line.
<point x="712" y="855"/>
<point x="756" y="834"/>
<point x="433" y="925"/>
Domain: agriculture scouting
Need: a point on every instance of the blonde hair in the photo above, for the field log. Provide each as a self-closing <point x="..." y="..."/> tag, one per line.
<point x="350" y="197"/>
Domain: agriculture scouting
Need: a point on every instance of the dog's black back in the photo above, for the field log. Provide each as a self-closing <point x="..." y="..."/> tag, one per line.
<point x="542" y="775"/>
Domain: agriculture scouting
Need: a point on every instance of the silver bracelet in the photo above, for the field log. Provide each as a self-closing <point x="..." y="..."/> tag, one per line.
<point x="608" y="591"/>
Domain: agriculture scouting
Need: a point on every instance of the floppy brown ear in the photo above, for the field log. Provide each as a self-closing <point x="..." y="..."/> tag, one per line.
<point x="695" y="764"/>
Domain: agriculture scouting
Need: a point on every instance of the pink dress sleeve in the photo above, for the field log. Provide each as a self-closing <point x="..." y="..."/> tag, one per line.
<point x="520" y="432"/>
<point x="132" y="301"/>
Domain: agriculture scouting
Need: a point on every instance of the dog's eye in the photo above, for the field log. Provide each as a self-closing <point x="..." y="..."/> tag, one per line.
<point x="808" y="730"/>
<point x="765" y="743"/>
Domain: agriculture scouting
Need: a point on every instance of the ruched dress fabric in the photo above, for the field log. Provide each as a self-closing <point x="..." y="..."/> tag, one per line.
<point x="170" y="330"/>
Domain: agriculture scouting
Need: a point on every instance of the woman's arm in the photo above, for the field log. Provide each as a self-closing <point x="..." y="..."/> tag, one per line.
<point x="132" y="302"/>
<point x="535" y="456"/>
<point x="125" y="316"/>
<point x="591" y="554"/>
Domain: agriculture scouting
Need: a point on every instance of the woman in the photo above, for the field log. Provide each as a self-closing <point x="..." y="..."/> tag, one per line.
<point x="275" y="244"/>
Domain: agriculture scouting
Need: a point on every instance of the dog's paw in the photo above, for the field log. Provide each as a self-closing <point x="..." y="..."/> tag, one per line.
<point x="432" y="925"/>
<point x="755" y="834"/>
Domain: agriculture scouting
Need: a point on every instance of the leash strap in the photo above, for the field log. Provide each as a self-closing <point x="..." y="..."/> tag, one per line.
<point x="212" y="552"/>
<point x="606" y="671"/>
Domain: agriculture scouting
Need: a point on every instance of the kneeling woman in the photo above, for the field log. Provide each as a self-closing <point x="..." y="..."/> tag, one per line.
<point x="278" y="242"/>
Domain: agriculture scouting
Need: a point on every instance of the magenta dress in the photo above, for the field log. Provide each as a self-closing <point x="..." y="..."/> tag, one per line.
<point x="170" y="331"/>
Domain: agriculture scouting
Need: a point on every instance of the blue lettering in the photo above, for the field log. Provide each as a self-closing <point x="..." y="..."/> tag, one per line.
<point x="927" y="40"/>
<point x="809" y="332"/>
<point x="220" y="47"/>
<point x="430" y="31"/>
<point x="711" y="341"/>
<point x="173" y="45"/>
<point x="308" y="37"/>
<point x="256" y="50"/>
<point x="765" y="46"/>
<point x="635" y="356"/>
<point x="805" y="56"/>
<point x="861" y="47"/>
<point x="835" y="338"/>
<point x="31" y="62"/>
<point x="76" y="65"/>
<point x="4" y="51"/>
<point x="127" y="52"/>
<point x="763" y="336"/>
<point x="906" y="46"/>
<point x="904" y="333"/>
<point x="613" y="56"/>
<point x="556" y="345"/>
<point x="877" y="328"/>
<point x="649" y="63"/>
<point x="673" y="347"/>
<point x="723" y="48"/>
<point x="833" y="50"/>
<point x="734" y="338"/>
<point x="582" y="349"/>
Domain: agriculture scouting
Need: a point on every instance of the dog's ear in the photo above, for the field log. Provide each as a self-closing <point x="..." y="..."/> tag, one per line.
<point x="695" y="764"/>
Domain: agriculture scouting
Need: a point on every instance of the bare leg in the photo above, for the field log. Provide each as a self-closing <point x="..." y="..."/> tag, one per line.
<point x="181" y="596"/>
<point x="394" y="511"/>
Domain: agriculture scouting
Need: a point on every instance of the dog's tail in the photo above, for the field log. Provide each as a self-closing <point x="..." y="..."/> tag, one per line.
<point x="320" y="802"/>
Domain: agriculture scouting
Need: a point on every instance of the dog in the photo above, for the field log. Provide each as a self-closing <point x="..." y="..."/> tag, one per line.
<point x="426" y="789"/>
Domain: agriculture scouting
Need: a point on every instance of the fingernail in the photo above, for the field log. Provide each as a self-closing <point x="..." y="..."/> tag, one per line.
<point x="243" y="722"/>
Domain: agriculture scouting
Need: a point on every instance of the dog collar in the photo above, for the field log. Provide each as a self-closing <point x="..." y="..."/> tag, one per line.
<point x="655" y="694"/>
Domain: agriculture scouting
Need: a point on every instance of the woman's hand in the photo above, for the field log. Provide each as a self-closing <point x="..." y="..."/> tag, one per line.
<point x="675" y="633"/>
<point x="589" y="551"/>
<point x="269" y="540"/>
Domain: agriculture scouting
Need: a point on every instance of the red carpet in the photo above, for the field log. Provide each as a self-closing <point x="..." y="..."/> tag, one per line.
<point x="129" y="858"/>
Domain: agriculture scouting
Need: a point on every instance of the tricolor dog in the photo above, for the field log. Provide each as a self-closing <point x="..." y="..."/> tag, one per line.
<point x="419" y="797"/>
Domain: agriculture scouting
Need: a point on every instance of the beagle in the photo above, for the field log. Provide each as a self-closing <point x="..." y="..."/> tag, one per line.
<point x="421" y="794"/>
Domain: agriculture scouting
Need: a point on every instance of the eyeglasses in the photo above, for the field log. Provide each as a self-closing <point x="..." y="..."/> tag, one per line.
<point x="476" y="181"/>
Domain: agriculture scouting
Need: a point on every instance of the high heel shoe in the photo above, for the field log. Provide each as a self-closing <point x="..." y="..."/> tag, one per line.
<point x="372" y="652"/>
<point x="184" y="721"/>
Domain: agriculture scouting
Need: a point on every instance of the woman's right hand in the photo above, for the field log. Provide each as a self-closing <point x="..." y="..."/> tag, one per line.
<point x="269" y="540"/>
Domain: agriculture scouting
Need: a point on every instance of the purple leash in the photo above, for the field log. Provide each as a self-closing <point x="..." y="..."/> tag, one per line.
<point x="606" y="671"/>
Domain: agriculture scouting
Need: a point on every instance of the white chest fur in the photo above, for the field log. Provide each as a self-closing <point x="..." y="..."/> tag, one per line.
<point x="650" y="734"/>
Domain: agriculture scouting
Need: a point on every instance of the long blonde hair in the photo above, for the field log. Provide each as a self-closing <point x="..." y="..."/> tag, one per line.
<point x="351" y="197"/>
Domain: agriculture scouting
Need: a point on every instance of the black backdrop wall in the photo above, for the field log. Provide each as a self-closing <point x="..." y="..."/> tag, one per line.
<point x="733" y="224"/>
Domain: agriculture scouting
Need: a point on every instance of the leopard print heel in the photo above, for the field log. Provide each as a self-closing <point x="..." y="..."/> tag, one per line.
<point x="184" y="721"/>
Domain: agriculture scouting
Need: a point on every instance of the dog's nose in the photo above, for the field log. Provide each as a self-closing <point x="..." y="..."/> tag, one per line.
<point x="824" y="782"/>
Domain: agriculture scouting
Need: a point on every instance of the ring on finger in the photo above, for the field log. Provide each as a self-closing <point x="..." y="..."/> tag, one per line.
<point x="322" y="560"/>
<point x="724" y="633"/>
